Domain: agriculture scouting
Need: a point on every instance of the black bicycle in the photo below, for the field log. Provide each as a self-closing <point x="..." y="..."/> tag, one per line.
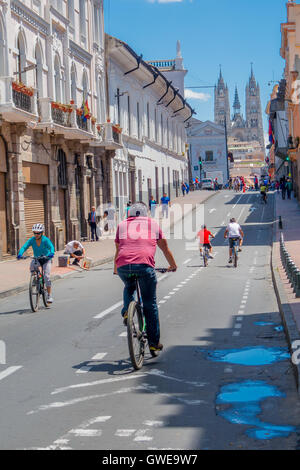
<point x="37" y="287"/>
<point x="235" y="241"/>
<point x="205" y="255"/>
<point x="136" y="328"/>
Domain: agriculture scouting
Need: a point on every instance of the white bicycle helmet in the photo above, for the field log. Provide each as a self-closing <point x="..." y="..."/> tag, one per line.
<point x="38" y="228"/>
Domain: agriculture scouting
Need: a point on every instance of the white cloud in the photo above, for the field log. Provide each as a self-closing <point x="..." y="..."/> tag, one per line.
<point x="195" y="95"/>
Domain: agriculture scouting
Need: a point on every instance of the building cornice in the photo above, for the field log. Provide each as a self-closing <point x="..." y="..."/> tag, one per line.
<point x="80" y="53"/>
<point x="30" y="17"/>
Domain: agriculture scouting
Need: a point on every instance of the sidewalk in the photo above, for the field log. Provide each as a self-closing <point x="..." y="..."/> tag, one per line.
<point x="289" y="305"/>
<point x="14" y="275"/>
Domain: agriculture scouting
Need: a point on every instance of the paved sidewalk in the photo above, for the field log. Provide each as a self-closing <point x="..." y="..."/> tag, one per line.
<point x="14" y="274"/>
<point x="289" y="210"/>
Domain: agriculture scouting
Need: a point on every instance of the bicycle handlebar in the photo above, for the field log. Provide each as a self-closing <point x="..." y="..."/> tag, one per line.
<point x="165" y="270"/>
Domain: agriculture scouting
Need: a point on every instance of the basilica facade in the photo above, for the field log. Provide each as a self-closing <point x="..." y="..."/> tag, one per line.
<point x="241" y="129"/>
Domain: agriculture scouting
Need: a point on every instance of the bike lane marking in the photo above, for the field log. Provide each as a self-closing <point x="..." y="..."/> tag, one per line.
<point x="9" y="371"/>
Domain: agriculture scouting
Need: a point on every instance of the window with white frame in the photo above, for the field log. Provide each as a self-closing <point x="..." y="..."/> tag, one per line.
<point x="128" y="116"/>
<point x="148" y="120"/>
<point x="155" y="126"/>
<point x="21" y="58"/>
<point x="82" y="21"/>
<point x="73" y="84"/>
<point x="209" y="156"/>
<point x="71" y="12"/>
<point x="57" y="79"/>
<point x="138" y="123"/>
<point x="36" y="6"/>
<point x="39" y="70"/>
<point x="161" y="130"/>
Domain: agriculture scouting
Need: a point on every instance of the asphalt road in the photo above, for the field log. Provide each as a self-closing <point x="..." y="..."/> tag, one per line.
<point x="223" y="381"/>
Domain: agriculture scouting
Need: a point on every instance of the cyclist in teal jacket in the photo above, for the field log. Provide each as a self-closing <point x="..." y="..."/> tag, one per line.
<point x="41" y="246"/>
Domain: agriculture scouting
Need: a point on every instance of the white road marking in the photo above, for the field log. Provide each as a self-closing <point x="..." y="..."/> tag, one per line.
<point x="141" y="435"/>
<point x="187" y="260"/>
<point x="86" y="432"/>
<point x="99" y="356"/>
<point x="110" y="309"/>
<point x="124" y="334"/>
<point x="9" y="371"/>
<point x="241" y="312"/>
<point x="236" y="333"/>
<point x="124" y="432"/>
<point x="212" y="210"/>
<point x="167" y="297"/>
<point x="97" y="382"/>
<point x="153" y="423"/>
<point x="84" y="369"/>
<point x="228" y="370"/>
<point x="120" y="303"/>
<point x="62" y="404"/>
<point x="238" y="325"/>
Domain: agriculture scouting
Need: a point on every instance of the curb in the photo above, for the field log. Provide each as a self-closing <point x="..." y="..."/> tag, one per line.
<point x="291" y="330"/>
<point x="56" y="277"/>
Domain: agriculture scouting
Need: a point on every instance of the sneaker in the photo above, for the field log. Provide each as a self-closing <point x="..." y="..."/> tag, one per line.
<point x="156" y="347"/>
<point x="125" y="318"/>
<point x="211" y="256"/>
<point x="240" y="249"/>
<point x="49" y="299"/>
<point x="230" y="260"/>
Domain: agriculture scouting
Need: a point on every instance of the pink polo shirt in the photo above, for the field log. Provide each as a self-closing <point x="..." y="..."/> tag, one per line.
<point x="137" y="238"/>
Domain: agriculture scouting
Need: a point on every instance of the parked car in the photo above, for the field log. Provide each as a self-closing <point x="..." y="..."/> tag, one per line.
<point x="207" y="183"/>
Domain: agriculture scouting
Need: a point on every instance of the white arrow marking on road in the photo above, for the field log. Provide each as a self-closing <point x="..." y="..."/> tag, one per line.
<point x="97" y="382"/>
<point x="9" y="371"/>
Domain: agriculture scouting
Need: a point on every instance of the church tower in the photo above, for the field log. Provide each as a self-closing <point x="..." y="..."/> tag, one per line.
<point x="253" y="112"/>
<point x="222" y="107"/>
<point x="237" y="122"/>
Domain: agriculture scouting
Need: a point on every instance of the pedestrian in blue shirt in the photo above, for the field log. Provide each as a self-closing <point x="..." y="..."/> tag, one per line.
<point x="165" y="203"/>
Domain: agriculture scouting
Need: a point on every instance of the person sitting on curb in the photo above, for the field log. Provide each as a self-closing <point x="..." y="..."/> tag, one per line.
<point x="76" y="250"/>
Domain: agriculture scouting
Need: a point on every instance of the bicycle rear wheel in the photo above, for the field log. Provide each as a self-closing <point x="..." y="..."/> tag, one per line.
<point x="235" y="258"/>
<point x="34" y="292"/>
<point x="135" y="337"/>
<point x="205" y="259"/>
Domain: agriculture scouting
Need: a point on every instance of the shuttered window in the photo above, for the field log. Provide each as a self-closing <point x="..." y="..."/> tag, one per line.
<point x="34" y="206"/>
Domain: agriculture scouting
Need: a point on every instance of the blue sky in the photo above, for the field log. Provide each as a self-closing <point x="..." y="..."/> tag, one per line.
<point x="233" y="33"/>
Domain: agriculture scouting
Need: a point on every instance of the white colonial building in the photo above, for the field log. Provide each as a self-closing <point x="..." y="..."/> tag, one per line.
<point x="207" y="141"/>
<point x="54" y="164"/>
<point x="153" y="116"/>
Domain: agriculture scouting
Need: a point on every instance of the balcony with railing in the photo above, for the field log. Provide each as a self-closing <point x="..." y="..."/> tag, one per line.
<point x="18" y="102"/>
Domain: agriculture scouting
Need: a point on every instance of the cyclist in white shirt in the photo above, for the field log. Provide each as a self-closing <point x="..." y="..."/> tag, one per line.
<point x="233" y="232"/>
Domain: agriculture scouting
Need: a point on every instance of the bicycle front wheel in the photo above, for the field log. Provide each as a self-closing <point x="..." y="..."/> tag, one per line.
<point x="34" y="292"/>
<point x="45" y="297"/>
<point x="205" y="259"/>
<point x="135" y="335"/>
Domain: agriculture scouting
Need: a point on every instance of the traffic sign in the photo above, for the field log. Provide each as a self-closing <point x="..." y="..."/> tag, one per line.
<point x="196" y="168"/>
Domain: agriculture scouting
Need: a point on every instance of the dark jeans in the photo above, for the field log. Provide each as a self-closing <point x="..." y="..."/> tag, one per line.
<point x="147" y="281"/>
<point x="93" y="229"/>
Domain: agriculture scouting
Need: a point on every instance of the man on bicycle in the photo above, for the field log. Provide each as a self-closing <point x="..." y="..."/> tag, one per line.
<point x="204" y="240"/>
<point x="41" y="246"/>
<point x="235" y="233"/>
<point x="136" y="241"/>
<point x="263" y="191"/>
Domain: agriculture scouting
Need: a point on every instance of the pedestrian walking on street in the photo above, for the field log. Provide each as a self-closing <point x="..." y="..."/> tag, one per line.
<point x="92" y="221"/>
<point x="187" y="188"/>
<point x="283" y="188"/>
<point x="183" y="189"/>
<point x="289" y="188"/>
<point x="152" y="206"/>
<point x="165" y="204"/>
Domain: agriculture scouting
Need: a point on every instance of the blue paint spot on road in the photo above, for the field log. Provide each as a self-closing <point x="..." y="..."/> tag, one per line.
<point x="250" y="356"/>
<point x="269" y="323"/>
<point x="245" y="398"/>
